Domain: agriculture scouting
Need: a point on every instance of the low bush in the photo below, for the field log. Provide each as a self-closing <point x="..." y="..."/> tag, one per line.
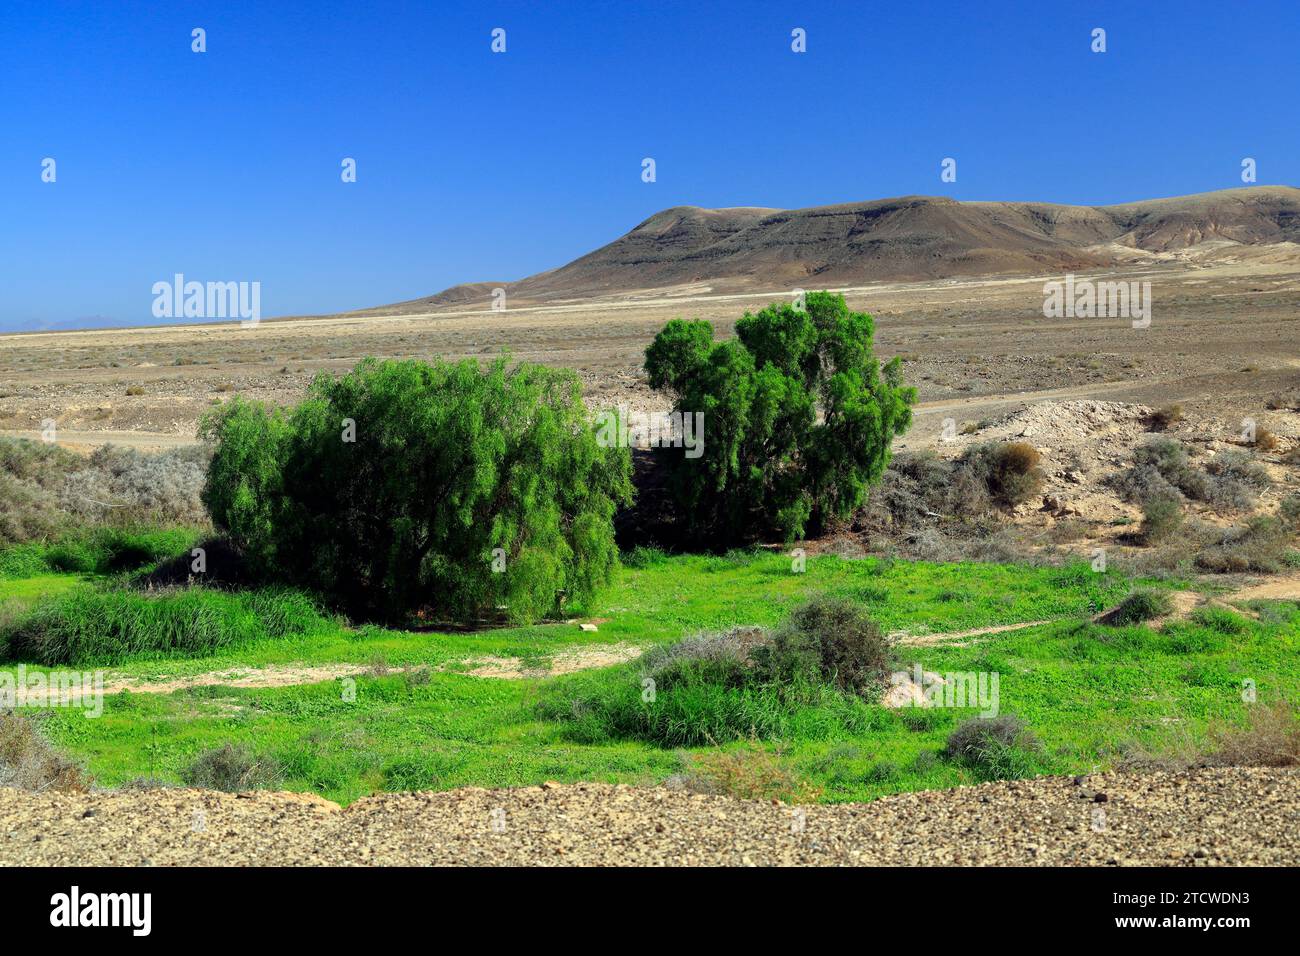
<point x="1288" y="512"/>
<point x="110" y="626"/>
<point x="694" y="713"/>
<point x="1237" y="479"/>
<point x="1163" y="418"/>
<point x="1162" y="470"/>
<point x="1271" y="738"/>
<point x="995" y="748"/>
<point x="232" y="768"/>
<point x="1142" y="605"/>
<point x="1161" y="520"/>
<point x="1008" y="472"/>
<point x="709" y="658"/>
<point x="1262" y="544"/>
<point x="827" y="640"/>
<point x="47" y="492"/>
<point x="913" y="493"/>
<point x="28" y="762"/>
<point x="815" y="673"/>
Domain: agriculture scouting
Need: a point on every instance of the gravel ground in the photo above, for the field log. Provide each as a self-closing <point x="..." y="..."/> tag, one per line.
<point x="1201" y="817"/>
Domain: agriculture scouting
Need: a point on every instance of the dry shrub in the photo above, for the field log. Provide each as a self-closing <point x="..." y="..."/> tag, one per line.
<point x="1270" y="739"/>
<point x="1161" y="520"/>
<point x="1069" y="530"/>
<point x="1007" y="472"/>
<point x="232" y="768"/>
<point x="1262" y="544"/>
<point x="45" y="490"/>
<point x="747" y="772"/>
<point x="1265" y="440"/>
<point x="1163" y="418"/>
<point x="1289" y="512"/>
<point x="1162" y="469"/>
<point x="28" y="762"/>
<point x="827" y="639"/>
<point x="1016" y="476"/>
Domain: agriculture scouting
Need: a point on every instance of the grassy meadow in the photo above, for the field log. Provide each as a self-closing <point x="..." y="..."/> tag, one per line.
<point x="1092" y="694"/>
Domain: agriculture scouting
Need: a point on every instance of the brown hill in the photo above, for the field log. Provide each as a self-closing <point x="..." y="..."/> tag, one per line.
<point x="908" y="238"/>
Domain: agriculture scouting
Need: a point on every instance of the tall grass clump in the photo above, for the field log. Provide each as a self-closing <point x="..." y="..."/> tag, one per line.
<point x="996" y="748"/>
<point x="95" y="551"/>
<point x="111" y="626"/>
<point x="1141" y="605"/>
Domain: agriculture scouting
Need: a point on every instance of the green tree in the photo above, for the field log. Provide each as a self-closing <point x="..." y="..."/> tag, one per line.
<point x="799" y="417"/>
<point x="412" y="486"/>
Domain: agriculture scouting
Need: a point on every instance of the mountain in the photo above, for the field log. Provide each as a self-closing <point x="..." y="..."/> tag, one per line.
<point x="908" y="238"/>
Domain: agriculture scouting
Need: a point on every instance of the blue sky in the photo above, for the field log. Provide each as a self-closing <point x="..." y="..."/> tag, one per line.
<point x="473" y="166"/>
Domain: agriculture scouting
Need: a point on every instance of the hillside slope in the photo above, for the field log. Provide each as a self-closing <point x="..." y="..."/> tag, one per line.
<point x="907" y="238"/>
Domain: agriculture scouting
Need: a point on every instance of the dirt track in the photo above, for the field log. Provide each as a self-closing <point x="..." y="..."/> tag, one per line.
<point x="1202" y="817"/>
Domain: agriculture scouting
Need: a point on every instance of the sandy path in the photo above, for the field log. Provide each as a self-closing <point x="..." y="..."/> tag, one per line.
<point x="273" y="676"/>
<point x="922" y="640"/>
<point x="287" y="675"/>
<point x="1282" y="588"/>
<point x="145" y="441"/>
<point x="1203" y="817"/>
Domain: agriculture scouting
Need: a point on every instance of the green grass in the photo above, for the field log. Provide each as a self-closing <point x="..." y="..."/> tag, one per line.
<point x="101" y="551"/>
<point x="89" y="627"/>
<point x="668" y="598"/>
<point x="1088" y="692"/>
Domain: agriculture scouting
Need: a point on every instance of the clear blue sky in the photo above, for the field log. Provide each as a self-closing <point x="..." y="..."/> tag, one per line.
<point x="472" y="165"/>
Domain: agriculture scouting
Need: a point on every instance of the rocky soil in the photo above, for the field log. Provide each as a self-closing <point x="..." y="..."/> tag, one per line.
<point x="1201" y="817"/>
